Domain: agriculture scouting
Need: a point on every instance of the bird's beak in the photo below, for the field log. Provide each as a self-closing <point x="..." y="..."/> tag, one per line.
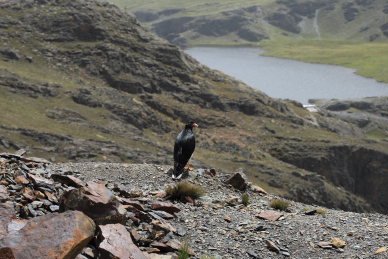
<point x="195" y="125"/>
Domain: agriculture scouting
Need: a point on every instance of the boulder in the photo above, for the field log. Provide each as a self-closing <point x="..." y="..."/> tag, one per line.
<point x="50" y="236"/>
<point x="95" y="200"/>
<point x="116" y="242"/>
<point x="239" y="181"/>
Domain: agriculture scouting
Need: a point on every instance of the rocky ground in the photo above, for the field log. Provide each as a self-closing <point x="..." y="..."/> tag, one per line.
<point x="218" y="224"/>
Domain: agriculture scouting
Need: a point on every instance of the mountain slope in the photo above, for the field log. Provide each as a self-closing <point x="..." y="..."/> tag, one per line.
<point x="83" y="81"/>
<point x="247" y="21"/>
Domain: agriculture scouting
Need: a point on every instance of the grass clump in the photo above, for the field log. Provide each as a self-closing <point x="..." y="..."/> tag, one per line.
<point x="279" y="204"/>
<point x="245" y="199"/>
<point x="184" y="251"/>
<point x="321" y="211"/>
<point x="182" y="190"/>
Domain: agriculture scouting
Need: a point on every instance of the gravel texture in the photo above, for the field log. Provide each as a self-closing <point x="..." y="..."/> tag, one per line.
<point x="219" y="225"/>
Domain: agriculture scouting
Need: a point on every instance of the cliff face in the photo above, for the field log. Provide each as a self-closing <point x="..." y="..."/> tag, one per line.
<point x="83" y="81"/>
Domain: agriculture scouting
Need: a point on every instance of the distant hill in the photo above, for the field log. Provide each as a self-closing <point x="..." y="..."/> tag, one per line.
<point x="84" y="81"/>
<point x="247" y="21"/>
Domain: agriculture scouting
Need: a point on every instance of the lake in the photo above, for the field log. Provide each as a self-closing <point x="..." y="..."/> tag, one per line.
<point x="284" y="78"/>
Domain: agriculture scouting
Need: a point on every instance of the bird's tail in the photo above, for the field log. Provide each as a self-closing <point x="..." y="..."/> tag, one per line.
<point x="178" y="170"/>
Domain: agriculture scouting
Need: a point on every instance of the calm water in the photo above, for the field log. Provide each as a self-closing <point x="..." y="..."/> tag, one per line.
<point x="282" y="78"/>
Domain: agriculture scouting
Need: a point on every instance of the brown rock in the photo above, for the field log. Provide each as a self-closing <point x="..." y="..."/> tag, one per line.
<point x="133" y="203"/>
<point x="50" y="236"/>
<point x="239" y="181"/>
<point x="21" y="180"/>
<point x="165" y="206"/>
<point x="163" y="226"/>
<point x="69" y="180"/>
<point x="116" y="242"/>
<point x="51" y="197"/>
<point x="95" y="200"/>
<point x="270" y="215"/>
<point x="161" y="246"/>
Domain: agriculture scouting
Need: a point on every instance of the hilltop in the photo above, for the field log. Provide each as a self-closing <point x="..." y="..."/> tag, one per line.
<point x="84" y="81"/>
<point x="246" y="22"/>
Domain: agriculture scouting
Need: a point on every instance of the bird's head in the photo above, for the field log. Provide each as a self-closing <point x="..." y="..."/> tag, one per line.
<point x="191" y="125"/>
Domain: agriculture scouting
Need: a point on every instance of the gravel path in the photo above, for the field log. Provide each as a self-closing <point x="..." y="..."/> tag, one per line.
<point x="217" y="228"/>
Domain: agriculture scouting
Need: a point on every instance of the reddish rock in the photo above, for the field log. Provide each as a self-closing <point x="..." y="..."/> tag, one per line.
<point x="141" y="215"/>
<point x="51" y="197"/>
<point x="95" y="200"/>
<point x="270" y="215"/>
<point x="3" y="193"/>
<point x="325" y="245"/>
<point x="165" y="206"/>
<point x="161" y="246"/>
<point x="69" y="180"/>
<point x="50" y="236"/>
<point x="116" y="242"/>
<point x="239" y="181"/>
<point x="7" y="214"/>
<point x="166" y="227"/>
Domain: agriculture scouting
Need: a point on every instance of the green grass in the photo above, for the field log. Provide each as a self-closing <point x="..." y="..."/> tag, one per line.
<point x="245" y="199"/>
<point x="369" y="59"/>
<point x="184" y="251"/>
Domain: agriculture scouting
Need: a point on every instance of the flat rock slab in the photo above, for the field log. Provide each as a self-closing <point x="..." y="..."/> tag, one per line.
<point x="165" y="206"/>
<point x="270" y="215"/>
<point x="59" y="236"/>
<point x="68" y="180"/>
<point x="117" y="243"/>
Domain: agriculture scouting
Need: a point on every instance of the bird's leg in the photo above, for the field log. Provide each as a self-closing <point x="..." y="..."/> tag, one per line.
<point x="188" y="167"/>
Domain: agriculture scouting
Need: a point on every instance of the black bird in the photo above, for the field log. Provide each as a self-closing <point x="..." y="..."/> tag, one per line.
<point x="183" y="149"/>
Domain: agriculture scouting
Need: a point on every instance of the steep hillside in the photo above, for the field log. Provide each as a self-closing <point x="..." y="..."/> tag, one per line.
<point x="83" y="81"/>
<point x="246" y="21"/>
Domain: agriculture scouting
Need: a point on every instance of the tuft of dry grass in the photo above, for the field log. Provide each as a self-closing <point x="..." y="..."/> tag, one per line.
<point x="184" y="189"/>
<point x="245" y="199"/>
<point x="321" y="211"/>
<point x="279" y="204"/>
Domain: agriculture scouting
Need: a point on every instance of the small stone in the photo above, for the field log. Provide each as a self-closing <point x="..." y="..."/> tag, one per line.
<point x="258" y="189"/>
<point x="28" y="194"/>
<point x="54" y="208"/>
<point x="270" y="215"/>
<point x="272" y="246"/>
<point x="338" y="243"/>
<point x="381" y="250"/>
<point x="228" y="219"/>
<point x="252" y="254"/>
<point x="325" y="245"/>
<point x="164" y="206"/>
<point x="310" y="212"/>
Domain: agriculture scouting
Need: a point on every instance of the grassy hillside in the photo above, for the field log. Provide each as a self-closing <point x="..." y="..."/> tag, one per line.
<point x="369" y="59"/>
